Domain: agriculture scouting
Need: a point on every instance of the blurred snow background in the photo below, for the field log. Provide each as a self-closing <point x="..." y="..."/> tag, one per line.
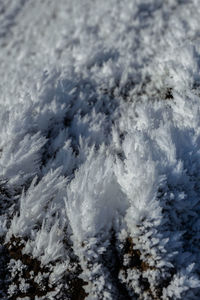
<point x="99" y="149"/>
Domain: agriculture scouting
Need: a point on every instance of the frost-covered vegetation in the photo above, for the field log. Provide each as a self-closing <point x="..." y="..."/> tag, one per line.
<point x="100" y="149"/>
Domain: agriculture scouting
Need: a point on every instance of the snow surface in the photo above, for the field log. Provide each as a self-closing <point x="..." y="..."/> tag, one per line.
<point x="100" y="149"/>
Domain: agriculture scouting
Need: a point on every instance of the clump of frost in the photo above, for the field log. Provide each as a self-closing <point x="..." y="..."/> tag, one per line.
<point x="34" y="211"/>
<point x="94" y="203"/>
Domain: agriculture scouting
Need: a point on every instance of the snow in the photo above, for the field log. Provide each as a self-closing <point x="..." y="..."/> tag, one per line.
<point x="99" y="149"/>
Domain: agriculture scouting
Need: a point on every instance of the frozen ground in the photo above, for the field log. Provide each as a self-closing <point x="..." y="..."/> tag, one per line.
<point x="100" y="149"/>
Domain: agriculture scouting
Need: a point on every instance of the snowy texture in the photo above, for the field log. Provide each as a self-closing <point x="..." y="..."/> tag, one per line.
<point x="100" y="149"/>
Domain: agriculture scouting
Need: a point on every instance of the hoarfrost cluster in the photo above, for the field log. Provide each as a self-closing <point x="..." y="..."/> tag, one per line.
<point x="100" y="149"/>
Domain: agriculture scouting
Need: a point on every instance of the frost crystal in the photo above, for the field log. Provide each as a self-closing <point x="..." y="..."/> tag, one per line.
<point x="99" y="149"/>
